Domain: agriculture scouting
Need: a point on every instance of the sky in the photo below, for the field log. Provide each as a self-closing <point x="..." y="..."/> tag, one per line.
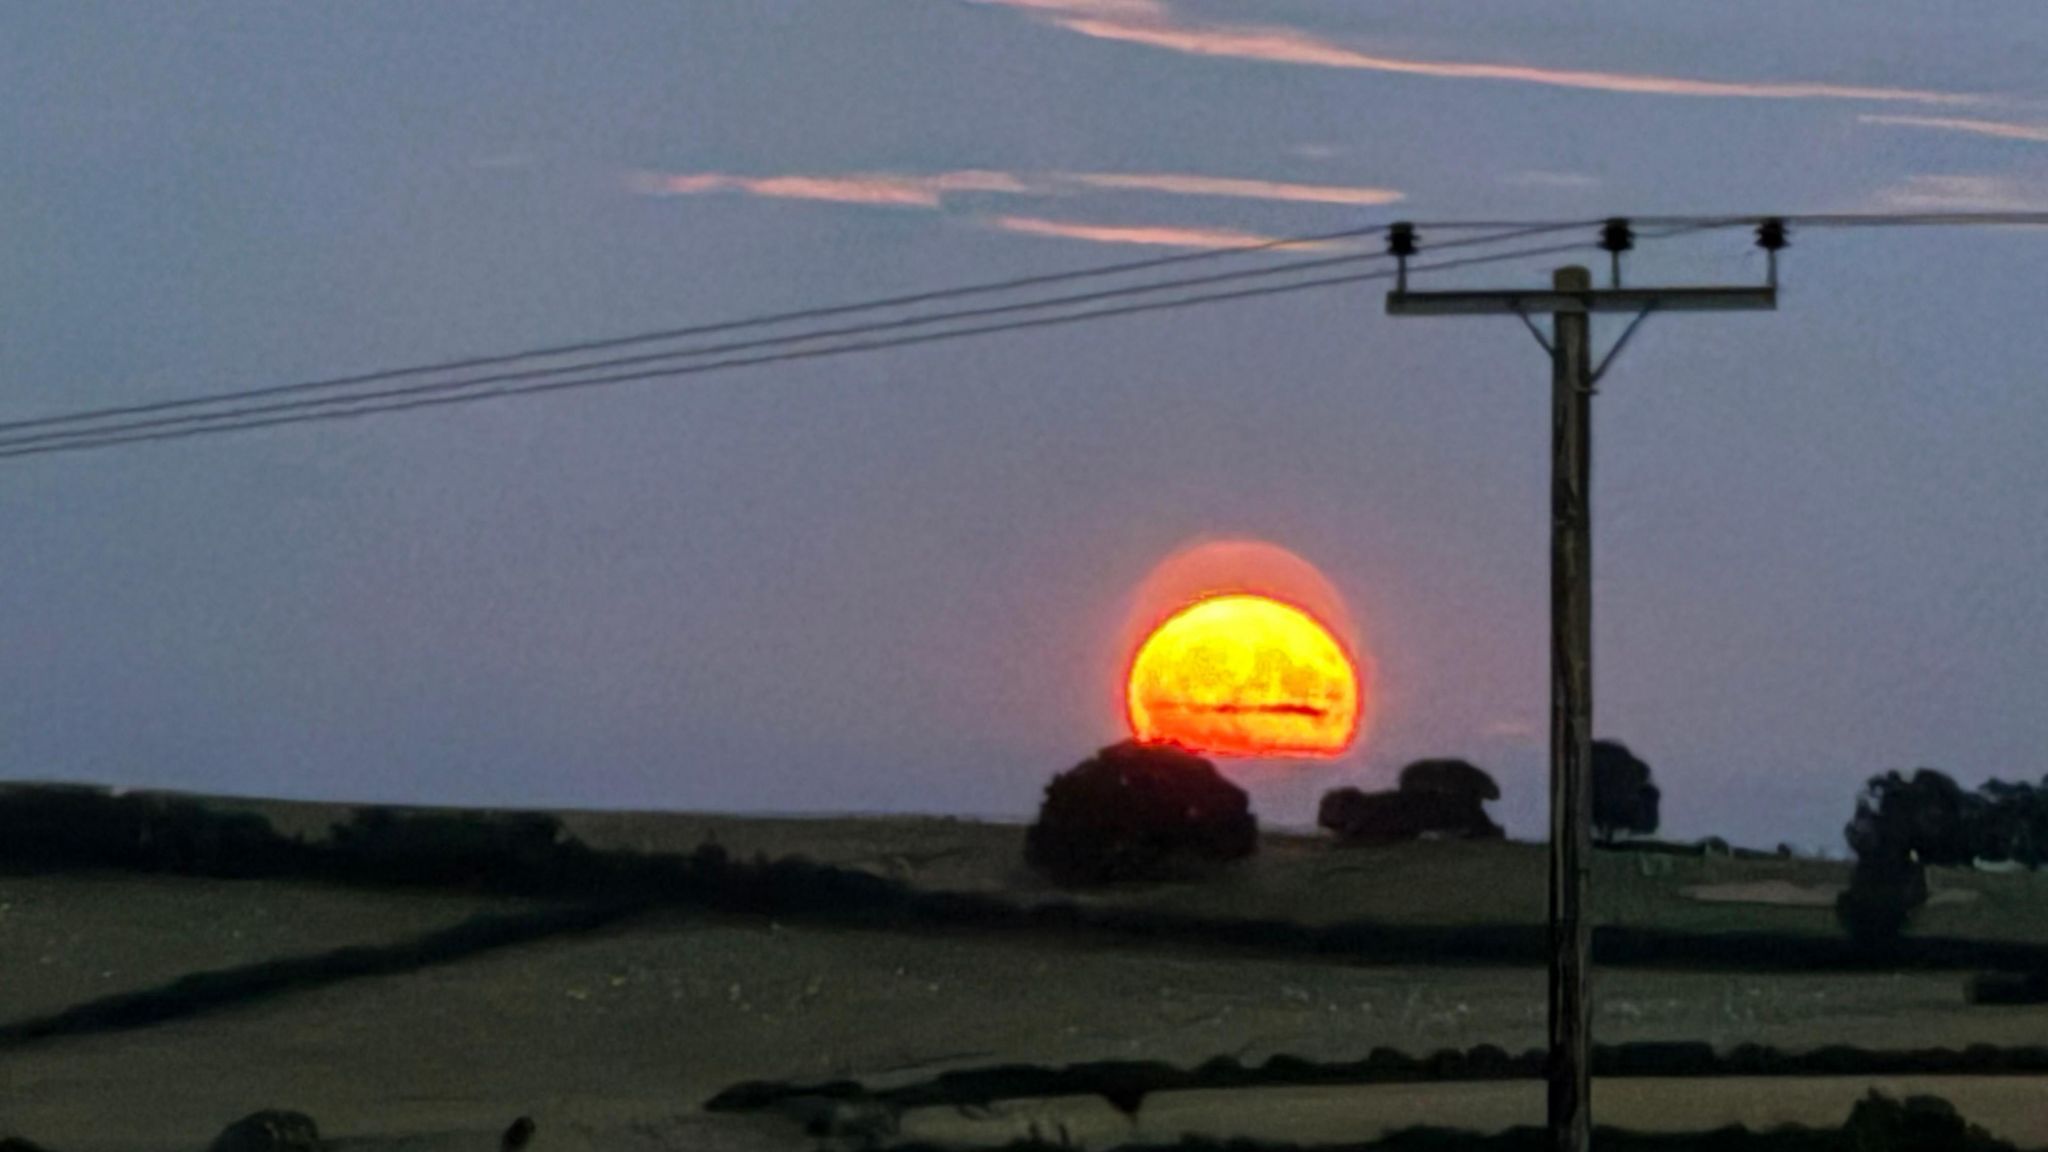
<point x="900" y="582"/>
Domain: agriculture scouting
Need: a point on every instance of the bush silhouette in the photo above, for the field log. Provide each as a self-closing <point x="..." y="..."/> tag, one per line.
<point x="1435" y="797"/>
<point x="1882" y="895"/>
<point x="1460" y="778"/>
<point x="79" y="826"/>
<point x="184" y="836"/>
<point x="517" y="850"/>
<point x="2009" y="988"/>
<point x="272" y="1130"/>
<point x="1902" y="825"/>
<point x="1354" y="815"/>
<point x="1879" y="1123"/>
<point x="1139" y="812"/>
<point x="1624" y="798"/>
<point x="1927" y="816"/>
<point x="72" y="825"/>
<point x="2014" y="822"/>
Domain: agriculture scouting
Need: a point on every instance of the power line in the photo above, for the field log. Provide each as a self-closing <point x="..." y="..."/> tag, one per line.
<point x="303" y="404"/>
<point x="2002" y="219"/>
<point x="1871" y="219"/>
<point x="668" y="334"/>
<point x="788" y="347"/>
<point x="1945" y="219"/>
<point x="255" y="418"/>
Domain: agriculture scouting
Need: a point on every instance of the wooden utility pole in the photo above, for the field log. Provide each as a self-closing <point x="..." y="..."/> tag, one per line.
<point x="1571" y="716"/>
<point x="1571" y="301"/>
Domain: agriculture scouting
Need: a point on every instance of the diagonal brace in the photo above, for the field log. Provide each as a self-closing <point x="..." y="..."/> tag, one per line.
<point x="1605" y="361"/>
<point x="1523" y="314"/>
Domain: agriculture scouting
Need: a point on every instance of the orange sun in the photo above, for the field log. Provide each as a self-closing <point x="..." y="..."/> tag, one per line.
<point x="1244" y="675"/>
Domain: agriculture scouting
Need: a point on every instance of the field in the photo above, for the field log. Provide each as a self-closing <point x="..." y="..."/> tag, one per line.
<point x="615" y="1038"/>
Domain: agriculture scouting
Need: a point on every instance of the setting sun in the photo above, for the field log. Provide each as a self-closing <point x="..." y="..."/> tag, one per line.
<point x="1245" y="675"/>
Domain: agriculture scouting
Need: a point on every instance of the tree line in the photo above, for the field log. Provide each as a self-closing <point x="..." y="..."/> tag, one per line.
<point x="1137" y="811"/>
<point x="1905" y="824"/>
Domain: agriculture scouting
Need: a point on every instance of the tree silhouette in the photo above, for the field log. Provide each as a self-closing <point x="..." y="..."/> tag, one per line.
<point x="1139" y="812"/>
<point x="1624" y="798"/>
<point x="1450" y="777"/>
<point x="1903" y="824"/>
<point x="2014" y="822"/>
<point x="1926" y="816"/>
<point x="1435" y="797"/>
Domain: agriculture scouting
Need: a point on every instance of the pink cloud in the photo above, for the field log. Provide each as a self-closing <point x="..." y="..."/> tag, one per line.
<point x="1160" y="236"/>
<point x="884" y="189"/>
<point x="1184" y="185"/>
<point x="1153" y="24"/>
<point x="914" y="190"/>
<point x="1999" y="129"/>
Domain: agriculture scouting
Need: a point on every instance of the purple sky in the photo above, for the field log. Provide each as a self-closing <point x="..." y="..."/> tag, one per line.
<point x="899" y="582"/>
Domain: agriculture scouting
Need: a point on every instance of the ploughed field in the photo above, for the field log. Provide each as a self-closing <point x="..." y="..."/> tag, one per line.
<point x="614" y="1035"/>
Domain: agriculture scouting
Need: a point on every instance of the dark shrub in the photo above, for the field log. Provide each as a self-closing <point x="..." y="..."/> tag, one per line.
<point x="1355" y="816"/>
<point x="185" y="836"/>
<point x="1139" y="812"/>
<point x="65" y="825"/>
<point x="1879" y="1123"/>
<point x="1383" y="816"/>
<point x="269" y="1131"/>
<point x="1451" y="797"/>
<point x="2014" y="822"/>
<point x="1926" y="816"/>
<point x="1883" y="893"/>
<point x="2009" y="988"/>
<point x="1902" y="824"/>
<point x="1624" y="798"/>
<point x="79" y="826"/>
<point x="509" y="850"/>
<point x="1456" y="817"/>
<point x="1459" y="778"/>
<point x="1656" y="1058"/>
<point x="1435" y="798"/>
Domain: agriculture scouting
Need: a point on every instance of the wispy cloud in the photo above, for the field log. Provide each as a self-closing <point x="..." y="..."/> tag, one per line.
<point x="930" y="190"/>
<point x="1184" y="185"/>
<point x="873" y="188"/>
<point x="1154" y="24"/>
<point x="1157" y="236"/>
<point x="1999" y="129"/>
<point x="1962" y="193"/>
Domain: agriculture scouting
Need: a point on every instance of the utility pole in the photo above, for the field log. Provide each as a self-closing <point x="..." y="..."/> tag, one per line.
<point x="1570" y="302"/>
<point x="1571" y="718"/>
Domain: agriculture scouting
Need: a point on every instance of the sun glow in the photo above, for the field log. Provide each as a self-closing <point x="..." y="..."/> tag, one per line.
<point x="1245" y="675"/>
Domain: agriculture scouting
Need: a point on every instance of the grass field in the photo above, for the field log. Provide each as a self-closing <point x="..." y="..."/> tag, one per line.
<point x="614" y="1039"/>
